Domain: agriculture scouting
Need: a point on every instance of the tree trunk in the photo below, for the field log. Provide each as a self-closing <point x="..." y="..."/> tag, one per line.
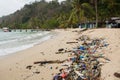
<point x="96" y="13"/>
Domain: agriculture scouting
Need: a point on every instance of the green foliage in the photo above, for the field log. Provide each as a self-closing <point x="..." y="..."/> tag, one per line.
<point x="50" y="24"/>
<point x="53" y="14"/>
<point x="37" y="15"/>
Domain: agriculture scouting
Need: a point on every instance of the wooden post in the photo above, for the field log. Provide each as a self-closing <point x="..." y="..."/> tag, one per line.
<point x="20" y="30"/>
<point x="26" y="30"/>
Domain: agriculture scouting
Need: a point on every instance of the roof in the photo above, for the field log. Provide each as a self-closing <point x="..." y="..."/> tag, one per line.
<point x="117" y="21"/>
<point x="115" y="18"/>
<point x="5" y="28"/>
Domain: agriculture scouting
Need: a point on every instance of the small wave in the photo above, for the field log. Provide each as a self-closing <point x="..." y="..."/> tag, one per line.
<point x="12" y="50"/>
<point x="23" y="37"/>
<point x="6" y="51"/>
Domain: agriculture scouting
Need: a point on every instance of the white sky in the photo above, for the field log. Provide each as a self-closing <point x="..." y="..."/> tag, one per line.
<point x="10" y="6"/>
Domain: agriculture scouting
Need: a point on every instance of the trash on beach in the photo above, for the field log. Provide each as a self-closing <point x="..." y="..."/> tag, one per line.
<point x="57" y="77"/>
<point x="85" y="63"/>
<point x="61" y="49"/>
<point x="117" y="75"/>
<point x="29" y="67"/>
<point x="51" y="67"/>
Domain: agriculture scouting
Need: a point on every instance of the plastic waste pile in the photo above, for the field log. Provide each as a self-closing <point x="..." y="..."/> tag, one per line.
<point x="85" y="64"/>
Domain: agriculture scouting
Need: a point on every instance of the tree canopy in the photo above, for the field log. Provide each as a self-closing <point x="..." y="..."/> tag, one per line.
<point x="68" y="13"/>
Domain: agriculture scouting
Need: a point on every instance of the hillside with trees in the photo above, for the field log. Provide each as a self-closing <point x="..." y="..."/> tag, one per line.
<point x="69" y="13"/>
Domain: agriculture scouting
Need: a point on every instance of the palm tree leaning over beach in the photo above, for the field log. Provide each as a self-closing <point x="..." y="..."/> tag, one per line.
<point x="81" y="12"/>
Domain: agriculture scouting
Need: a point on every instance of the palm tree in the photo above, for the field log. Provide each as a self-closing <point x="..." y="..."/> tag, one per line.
<point x="81" y="11"/>
<point x="107" y="9"/>
<point x="96" y="12"/>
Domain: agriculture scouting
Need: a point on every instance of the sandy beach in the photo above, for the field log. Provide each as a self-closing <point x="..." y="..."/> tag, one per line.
<point x="13" y="66"/>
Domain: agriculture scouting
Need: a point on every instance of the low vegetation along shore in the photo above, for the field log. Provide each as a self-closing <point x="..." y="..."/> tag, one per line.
<point x="62" y="53"/>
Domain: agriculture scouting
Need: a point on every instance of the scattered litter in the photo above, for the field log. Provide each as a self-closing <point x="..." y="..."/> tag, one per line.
<point x="60" y="49"/>
<point x="85" y="63"/>
<point x="117" y="75"/>
<point x="29" y="67"/>
<point x="51" y="67"/>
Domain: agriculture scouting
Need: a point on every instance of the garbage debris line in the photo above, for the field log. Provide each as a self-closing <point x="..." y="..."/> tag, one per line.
<point x="85" y="63"/>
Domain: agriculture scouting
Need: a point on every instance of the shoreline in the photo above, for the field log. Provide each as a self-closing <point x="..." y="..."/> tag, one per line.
<point x="13" y="67"/>
<point x="28" y="46"/>
<point x="22" y="58"/>
<point x="54" y="35"/>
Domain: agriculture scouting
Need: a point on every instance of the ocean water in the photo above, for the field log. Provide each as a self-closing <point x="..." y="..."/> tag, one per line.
<point x="11" y="42"/>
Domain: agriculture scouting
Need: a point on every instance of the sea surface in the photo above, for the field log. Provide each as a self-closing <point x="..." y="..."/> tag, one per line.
<point x="11" y="42"/>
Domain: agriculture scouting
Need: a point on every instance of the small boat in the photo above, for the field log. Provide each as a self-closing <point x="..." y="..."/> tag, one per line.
<point x="5" y="29"/>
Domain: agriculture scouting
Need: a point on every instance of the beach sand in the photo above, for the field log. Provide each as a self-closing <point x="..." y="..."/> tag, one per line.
<point x="13" y="66"/>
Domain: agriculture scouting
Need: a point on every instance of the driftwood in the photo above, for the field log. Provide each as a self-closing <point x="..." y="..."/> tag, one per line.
<point x="49" y="62"/>
<point x="84" y="29"/>
<point x="70" y="42"/>
<point x="60" y="49"/>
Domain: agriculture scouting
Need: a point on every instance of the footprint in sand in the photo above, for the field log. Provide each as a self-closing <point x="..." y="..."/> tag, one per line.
<point x="42" y="53"/>
<point x="10" y="69"/>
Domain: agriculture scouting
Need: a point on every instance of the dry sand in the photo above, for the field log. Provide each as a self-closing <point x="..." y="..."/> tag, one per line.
<point x="13" y="67"/>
